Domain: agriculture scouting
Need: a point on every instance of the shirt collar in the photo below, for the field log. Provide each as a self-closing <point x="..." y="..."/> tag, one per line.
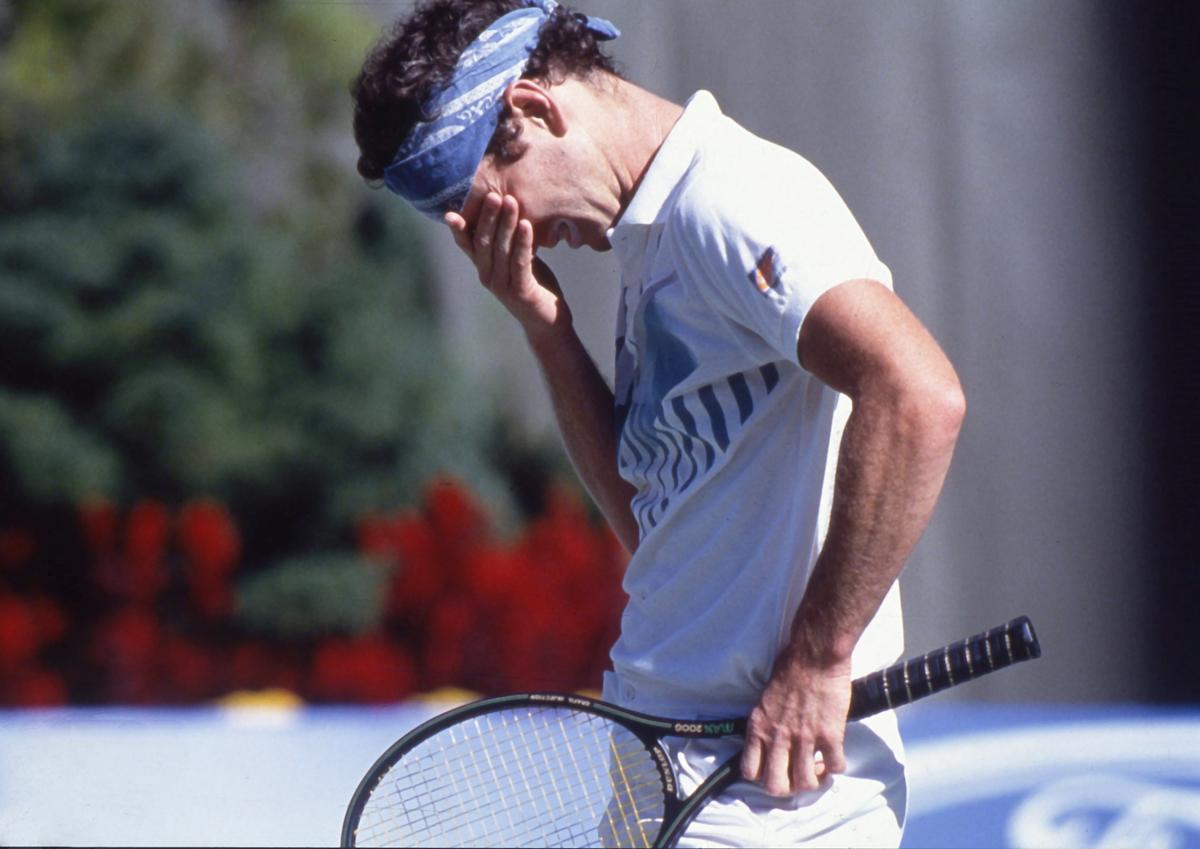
<point x="671" y="162"/>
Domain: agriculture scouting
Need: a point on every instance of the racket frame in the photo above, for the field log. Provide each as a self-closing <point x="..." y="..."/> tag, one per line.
<point x="646" y="728"/>
<point x="893" y="687"/>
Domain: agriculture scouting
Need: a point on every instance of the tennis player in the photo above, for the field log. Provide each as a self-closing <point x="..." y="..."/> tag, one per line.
<point x="781" y="423"/>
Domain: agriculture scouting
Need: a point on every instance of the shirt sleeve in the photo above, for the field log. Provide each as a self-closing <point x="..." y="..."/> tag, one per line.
<point x="761" y="243"/>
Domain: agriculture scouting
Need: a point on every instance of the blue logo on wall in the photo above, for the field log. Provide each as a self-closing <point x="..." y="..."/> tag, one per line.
<point x="1133" y="782"/>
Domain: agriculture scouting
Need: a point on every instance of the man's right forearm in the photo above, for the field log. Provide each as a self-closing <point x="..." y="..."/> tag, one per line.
<point x="500" y="244"/>
<point x="583" y="406"/>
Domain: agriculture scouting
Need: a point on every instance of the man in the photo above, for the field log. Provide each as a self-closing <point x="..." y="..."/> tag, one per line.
<point x="757" y="334"/>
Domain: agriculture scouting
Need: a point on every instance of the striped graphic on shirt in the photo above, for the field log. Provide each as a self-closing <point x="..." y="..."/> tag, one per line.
<point x="669" y="441"/>
<point x="669" y="447"/>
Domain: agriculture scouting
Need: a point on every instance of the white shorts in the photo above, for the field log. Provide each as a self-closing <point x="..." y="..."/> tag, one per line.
<point x="865" y="806"/>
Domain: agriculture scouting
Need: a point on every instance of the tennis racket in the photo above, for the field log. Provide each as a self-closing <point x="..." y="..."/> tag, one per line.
<point x="551" y="769"/>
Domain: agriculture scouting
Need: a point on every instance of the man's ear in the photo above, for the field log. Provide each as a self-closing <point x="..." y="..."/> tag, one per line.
<point x="531" y="101"/>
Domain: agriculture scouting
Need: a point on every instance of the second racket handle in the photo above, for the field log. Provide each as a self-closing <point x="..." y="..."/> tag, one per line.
<point x="918" y="677"/>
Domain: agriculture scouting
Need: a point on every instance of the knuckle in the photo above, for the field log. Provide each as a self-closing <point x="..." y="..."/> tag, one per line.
<point x="759" y="732"/>
<point x="758" y="719"/>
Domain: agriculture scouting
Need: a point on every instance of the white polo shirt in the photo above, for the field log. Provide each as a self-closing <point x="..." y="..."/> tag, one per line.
<point x="726" y="245"/>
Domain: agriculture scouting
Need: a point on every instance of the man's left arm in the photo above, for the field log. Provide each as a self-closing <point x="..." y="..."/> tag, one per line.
<point x="861" y="340"/>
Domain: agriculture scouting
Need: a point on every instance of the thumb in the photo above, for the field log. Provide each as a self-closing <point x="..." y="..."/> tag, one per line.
<point x="544" y="276"/>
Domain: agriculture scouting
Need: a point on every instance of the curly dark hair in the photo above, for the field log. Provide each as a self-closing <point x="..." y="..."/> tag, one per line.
<point x="418" y="56"/>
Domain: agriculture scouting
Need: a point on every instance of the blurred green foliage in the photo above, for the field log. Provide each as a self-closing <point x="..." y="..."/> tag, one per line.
<point x="313" y="595"/>
<point x="197" y="294"/>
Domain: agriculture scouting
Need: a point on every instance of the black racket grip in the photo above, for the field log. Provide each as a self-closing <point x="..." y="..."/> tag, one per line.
<point x="919" y="677"/>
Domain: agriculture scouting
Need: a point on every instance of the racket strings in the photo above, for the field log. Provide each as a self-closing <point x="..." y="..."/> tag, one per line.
<point x="457" y="817"/>
<point x="519" y="777"/>
<point x="623" y="820"/>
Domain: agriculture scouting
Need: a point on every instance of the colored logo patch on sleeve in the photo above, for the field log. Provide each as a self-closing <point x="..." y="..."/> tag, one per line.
<point x="765" y="276"/>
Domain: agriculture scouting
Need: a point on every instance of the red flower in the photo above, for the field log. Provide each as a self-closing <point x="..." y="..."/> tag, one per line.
<point x="141" y="573"/>
<point x="130" y="637"/>
<point x="539" y="613"/>
<point x="450" y="626"/>
<point x="420" y="578"/>
<point x="51" y="621"/>
<point x="209" y="538"/>
<point x="16" y="546"/>
<point x="147" y="530"/>
<point x="35" y="687"/>
<point x="368" y="669"/>
<point x="453" y="513"/>
<point x="377" y="538"/>
<point x="189" y="671"/>
<point x="19" y="633"/>
<point x="212" y="545"/>
<point x="126" y="647"/>
<point x="249" y="667"/>
<point x="493" y="577"/>
<point x="99" y="521"/>
<point x="259" y="666"/>
<point x="212" y="598"/>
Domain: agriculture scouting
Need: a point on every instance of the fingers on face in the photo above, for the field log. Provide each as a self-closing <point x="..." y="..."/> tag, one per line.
<point x="485" y="236"/>
<point x="458" y="229"/>
<point x="471" y="208"/>
<point x="506" y="228"/>
<point x="522" y="254"/>
<point x="501" y="242"/>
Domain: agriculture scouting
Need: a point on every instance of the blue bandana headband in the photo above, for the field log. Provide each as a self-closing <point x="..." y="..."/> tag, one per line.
<point x="435" y="165"/>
